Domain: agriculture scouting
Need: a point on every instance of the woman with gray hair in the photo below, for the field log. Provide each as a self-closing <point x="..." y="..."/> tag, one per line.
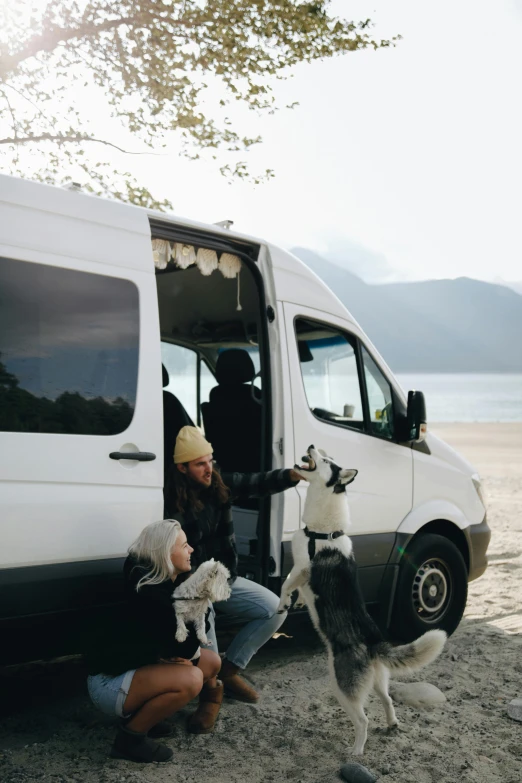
<point x="138" y="671"/>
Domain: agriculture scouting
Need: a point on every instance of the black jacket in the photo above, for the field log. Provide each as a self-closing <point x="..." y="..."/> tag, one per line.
<point x="145" y="629"/>
<point x="211" y="531"/>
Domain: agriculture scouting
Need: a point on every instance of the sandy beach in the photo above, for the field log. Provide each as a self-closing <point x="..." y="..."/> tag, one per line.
<point x="297" y="731"/>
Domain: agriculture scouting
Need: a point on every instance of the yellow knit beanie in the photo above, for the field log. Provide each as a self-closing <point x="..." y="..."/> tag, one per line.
<point x="190" y="444"/>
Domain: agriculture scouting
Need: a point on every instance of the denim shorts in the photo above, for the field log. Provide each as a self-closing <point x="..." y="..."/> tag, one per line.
<point x="108" y="693"/>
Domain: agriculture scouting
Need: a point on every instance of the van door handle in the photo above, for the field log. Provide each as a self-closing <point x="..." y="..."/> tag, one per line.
<point x="139" y="456"/>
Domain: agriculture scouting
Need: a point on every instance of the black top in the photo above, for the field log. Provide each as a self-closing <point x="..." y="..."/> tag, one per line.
<point x="144" y="630"/>
<point x="210" y="532"/>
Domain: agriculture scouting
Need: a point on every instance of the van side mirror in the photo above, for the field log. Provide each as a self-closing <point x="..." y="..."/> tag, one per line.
<point x="416" y="424"/>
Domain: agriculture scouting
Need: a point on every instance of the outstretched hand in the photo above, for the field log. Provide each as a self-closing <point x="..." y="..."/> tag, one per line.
<point x="295" y="476"/>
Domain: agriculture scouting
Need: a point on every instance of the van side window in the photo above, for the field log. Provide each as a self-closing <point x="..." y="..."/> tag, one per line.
<point x="380" y="400"/>
<point x="329" y="369"/>
<point x="69" y="345"/>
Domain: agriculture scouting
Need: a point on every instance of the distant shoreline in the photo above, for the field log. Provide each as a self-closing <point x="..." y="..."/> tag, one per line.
<point x="468" y="397"/>
<point x="497" y="427"/>
<point x="460" y="372"/>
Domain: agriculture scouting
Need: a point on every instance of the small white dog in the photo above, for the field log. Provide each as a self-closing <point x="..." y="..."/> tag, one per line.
<point x="192" y="599"/>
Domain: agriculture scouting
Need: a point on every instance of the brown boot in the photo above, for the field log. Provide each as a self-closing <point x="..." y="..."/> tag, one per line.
<point x="204" y="719"/>
<point x="235" y="686"/>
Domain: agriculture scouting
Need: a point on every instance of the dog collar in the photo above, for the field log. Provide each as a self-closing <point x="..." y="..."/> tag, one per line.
<point x="193" y="598"/>
<point x="312" y="537"/>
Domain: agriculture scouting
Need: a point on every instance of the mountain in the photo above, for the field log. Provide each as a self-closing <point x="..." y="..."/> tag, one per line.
<point x="460" y="325"/>
<point x="516" y="286"/>
<point x="369" y="265"/>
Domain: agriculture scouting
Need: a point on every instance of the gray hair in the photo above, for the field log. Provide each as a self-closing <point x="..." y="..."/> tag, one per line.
<point x="154" y="545"/>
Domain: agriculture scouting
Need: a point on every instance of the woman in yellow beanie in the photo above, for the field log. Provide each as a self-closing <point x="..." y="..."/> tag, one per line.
<point x="201" y="498"/>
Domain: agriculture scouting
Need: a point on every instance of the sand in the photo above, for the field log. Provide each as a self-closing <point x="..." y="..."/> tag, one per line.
<point x="297" y="732"/>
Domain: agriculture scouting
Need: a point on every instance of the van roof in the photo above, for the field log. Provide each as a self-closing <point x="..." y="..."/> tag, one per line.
<point x="85" y="207"/>
<point x="95" y="209"/>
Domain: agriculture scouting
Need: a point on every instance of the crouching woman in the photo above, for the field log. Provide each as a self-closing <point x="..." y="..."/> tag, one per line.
<point x="138" y="671"/>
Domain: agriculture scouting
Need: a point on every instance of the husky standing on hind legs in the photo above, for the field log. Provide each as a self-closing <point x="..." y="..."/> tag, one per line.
<point x="325" y="573"/>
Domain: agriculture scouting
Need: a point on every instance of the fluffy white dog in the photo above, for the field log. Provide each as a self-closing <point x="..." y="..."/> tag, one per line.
<point x="192" y="599"/>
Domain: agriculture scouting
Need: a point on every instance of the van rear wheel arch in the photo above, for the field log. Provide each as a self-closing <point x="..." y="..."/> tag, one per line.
<point x="446" y="529"/>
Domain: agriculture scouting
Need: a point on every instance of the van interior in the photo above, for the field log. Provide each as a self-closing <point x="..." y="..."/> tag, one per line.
<point x="214" y="371"/>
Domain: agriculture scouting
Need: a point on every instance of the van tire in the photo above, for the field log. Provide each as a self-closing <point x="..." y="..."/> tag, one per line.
<point x="432" y="588"/>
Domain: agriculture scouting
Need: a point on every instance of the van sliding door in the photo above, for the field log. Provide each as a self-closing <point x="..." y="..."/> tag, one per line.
<point x="215" y="345"/>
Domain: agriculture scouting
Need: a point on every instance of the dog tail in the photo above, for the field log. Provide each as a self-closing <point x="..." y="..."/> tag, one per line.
<point x="419" y="653"/>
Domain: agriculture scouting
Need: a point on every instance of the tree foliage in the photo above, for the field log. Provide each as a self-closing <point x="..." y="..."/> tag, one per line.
<point x="154" y="61"/>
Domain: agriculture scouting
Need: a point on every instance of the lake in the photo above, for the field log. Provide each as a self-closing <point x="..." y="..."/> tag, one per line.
<point x="468" y="396"/>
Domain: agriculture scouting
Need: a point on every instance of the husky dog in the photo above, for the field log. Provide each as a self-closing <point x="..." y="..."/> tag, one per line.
<point x="192" y="599"/>
<point x="325" y="572"/>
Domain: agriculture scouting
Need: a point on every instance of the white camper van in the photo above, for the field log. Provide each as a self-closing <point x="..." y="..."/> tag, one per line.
<point x="111" y="340"/>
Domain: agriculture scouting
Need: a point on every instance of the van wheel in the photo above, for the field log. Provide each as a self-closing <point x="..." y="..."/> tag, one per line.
<point x="432" y="588"/>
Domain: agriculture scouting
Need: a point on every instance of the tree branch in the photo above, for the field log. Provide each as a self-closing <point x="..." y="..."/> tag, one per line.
<point x="11" y="113"/>
<point x="13" y="120"/>
<point x="49" y="40"/>
<point x="72" y="139"/>
<point x="37" y="108"/>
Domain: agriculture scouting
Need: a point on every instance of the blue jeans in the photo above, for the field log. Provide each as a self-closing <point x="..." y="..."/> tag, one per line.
<point x="254" y="605"/>
<point x="109" y="693"/>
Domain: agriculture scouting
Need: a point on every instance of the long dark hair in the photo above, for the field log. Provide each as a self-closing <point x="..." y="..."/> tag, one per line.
<point x="182" y="494"/>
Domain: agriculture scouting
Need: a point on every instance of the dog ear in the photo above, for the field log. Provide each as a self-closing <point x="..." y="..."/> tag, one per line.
<point x="347" y="475"/>
<point x="323" y="453"/>
<point x="224" y="571"/>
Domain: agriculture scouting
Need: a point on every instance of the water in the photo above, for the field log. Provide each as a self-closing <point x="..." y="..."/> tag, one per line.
<point x="468" y="397"/>
<point x="449" y="397"/>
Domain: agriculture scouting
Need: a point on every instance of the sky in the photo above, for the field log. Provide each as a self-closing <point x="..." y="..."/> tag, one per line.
<point x="410" y="157"/>
<point x="404" y="163"/>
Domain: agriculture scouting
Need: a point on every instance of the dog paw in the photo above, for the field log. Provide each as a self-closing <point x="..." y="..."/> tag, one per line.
<point x="203" y="639"/>
<point x="181" y="636"/>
